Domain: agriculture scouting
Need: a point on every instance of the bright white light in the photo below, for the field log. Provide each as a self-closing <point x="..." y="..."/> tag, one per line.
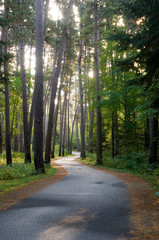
<point x="121" y="22"/>
<point x="54" y="11"/>
<point x="91" y="74"/>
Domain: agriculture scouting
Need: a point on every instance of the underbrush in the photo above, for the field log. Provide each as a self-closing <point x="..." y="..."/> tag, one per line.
<point x="19" y="173"/>
<point x="17" y="170"/>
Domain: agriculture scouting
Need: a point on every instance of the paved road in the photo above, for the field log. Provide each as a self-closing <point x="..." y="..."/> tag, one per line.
<point x="86" y="205"/>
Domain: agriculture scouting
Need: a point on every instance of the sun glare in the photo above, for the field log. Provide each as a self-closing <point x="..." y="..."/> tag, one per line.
<point x="54" y="11"/>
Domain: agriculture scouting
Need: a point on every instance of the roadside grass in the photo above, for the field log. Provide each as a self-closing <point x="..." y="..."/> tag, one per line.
<point x="19" y="174"/>
<point x="133" y="163"/>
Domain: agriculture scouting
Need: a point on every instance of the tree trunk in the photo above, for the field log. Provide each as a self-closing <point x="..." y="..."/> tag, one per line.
<point x="113" y="135"/>
<point x="97" y="77"/>
<point x="7" y="94"/>
<point x="82" y="128"/>
<point x="62" y="124"/>
<point x="90" y="145"/>
<point x="16" y="141"/>
<point x="147" y="135"/>
<point x="116" y="134"/>
<point x="0" y="133"/>
<point x="38" y="123"/>
<point x="24" y="92"/>
<point x="64" y="128"/>
<point x="153" y="125"/>
<point x="68" y="126"/>
<point x="76" y="120"/>
<point x="33" y="98"/>
<point x="21" y="139"/>
<point x="55" y="79"/>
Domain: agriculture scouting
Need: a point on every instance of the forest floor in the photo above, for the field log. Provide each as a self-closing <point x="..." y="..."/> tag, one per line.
<point x="144" y="203"/>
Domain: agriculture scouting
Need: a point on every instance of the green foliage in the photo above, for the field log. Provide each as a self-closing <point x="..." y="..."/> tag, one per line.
<point x="19" y="173"/>
<point x="17" y="182"/>
<point x="16" y="171"/>
<point x="131" y="162"/>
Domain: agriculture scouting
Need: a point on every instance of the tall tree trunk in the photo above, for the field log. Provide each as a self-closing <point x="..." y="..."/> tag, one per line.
<point x="55" y="129"/>
<point x="0" y="133"/>
<point x="113" y="135"/>
<point x="153" y="125"/>
<point x="33" y="98"/>
<point x="116" y="135"/>
<point x="82" y="128"/>
<point x="38" y="123"/>
<point x="97" y="77"/>
<point x="68" y="125"/>
<point x="55" y="79"/>
<point x="7" y="94"/>
<point x="21" y="139"/>
<point x="62" y="125"/>
<point x="64" y="128"/>
<point x="16" y="141"/>
<point x="24" y="92"/>
<point x="90" y="146"/>
<point x="147" y="134"/>
<point x="126" y="118"/>
<point x="76" y="120"/>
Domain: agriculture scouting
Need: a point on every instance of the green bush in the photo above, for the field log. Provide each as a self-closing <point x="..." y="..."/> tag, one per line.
<point x="16" y="171"/>
<point x="133" y="162"/>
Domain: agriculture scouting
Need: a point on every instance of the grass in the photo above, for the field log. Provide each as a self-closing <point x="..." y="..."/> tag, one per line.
<point x="133" y="163"/>
<point x="19" y="174"/>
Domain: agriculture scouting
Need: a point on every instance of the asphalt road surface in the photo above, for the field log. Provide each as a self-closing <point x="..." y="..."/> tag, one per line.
<point x="86" y="205"/>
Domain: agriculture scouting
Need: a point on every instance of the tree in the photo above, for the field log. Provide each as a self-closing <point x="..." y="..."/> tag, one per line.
<point x="141" y="42"/>
<point x="97" y="77"/>
<point x="6" y="77"/>
<point x="82" y="126"/>
<point x="24" y="90"/>
<point x="55" y="82"/>
<point x="38" y="122"/>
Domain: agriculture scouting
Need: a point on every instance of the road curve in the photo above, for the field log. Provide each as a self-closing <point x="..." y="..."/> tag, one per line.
<point x="86" y="205"/>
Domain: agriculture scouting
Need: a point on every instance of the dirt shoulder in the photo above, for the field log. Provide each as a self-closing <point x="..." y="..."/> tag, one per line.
<point x="144" y="214"/>
<point x="9" y="199"/>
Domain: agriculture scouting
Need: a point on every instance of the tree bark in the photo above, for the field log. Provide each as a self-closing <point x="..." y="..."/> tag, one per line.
<point x="116" y="134"/>
<point x="24" y="92"/>
<point x="97" y="77"/>
<point x="38" y="123"/>
<point x="0" y="133"/>
<point x="153" y="126"/>
<point x="21" y="139"/>
<point x="68" y="125"/>
<point x="113" y="136"/>
<point x="33" y="98"/>
<point x="16" y="140"/>
<point x="64" y="127"/>
<point x="90" y="144"/>
<point x="147" y="135"/>
<point x="76" y="120"/>
<point x="82" y="128"/>
<point x="7" y="94"/>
